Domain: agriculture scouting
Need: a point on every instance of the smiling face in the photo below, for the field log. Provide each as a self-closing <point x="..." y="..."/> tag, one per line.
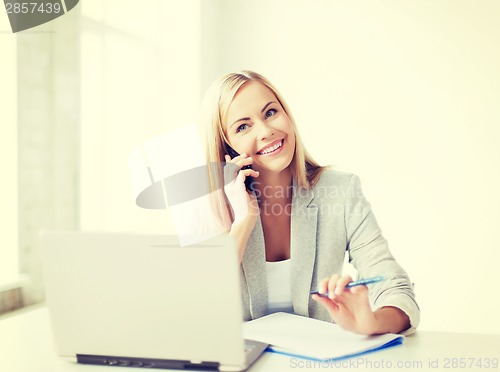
<point x="256" y="124"/>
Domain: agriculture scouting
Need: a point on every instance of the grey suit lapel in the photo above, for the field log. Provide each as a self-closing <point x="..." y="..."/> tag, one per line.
<point x="303" y="247"/>
<point x="302" y="252"/>
<point x="254" y="261"/>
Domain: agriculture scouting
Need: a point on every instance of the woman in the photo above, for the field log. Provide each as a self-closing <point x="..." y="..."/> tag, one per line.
<point x="295" y="222"/>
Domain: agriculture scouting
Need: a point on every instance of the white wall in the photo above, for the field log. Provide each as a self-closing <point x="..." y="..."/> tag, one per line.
<point x="404" y="94"/>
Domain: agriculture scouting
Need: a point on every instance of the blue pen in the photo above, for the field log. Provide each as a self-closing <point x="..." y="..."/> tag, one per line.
<point x="367" y="281"/>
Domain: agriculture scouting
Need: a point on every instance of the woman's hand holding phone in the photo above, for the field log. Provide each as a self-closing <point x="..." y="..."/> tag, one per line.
<point x="243" y="203"/>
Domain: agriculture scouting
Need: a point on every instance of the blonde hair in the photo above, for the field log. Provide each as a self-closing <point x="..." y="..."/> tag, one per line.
<point x="214" y="109"/>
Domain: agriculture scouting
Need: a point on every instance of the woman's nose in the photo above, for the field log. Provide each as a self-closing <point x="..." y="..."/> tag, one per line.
<point x="265" y="131"/>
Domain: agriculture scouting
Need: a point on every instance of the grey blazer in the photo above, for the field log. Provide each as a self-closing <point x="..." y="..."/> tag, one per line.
<point x="331" y="218"/>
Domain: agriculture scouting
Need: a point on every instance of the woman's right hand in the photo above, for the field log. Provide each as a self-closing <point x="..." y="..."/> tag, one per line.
<point x="243" y="203"/>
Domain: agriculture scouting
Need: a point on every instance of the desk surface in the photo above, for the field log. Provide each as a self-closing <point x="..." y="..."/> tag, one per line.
<point x="26" y="346"/>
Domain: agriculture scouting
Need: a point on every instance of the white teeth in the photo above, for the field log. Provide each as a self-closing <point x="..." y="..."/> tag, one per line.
<point x="271" y="149"/>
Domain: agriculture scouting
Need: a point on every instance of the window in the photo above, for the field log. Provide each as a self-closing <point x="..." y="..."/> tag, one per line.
<point x="68" y="126"/>
<point x="140" y="77"/>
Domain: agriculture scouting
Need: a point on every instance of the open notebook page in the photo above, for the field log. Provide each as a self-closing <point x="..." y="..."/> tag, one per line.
<point x="311" y="338"/>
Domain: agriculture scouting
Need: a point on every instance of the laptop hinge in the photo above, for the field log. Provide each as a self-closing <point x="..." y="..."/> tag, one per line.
<point x="116" y="361"/>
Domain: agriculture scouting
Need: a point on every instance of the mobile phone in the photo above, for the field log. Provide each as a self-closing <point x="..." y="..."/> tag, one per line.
<point x="248" y="180"/>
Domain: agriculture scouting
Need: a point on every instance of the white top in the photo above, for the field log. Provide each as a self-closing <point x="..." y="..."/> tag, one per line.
<point x="279" y="285"/>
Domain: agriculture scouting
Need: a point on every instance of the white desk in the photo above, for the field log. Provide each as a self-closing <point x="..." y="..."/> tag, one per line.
<point x="26" y="346"/>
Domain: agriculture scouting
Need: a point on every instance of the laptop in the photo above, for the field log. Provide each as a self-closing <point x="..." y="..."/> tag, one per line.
<point x="135" y="300"/>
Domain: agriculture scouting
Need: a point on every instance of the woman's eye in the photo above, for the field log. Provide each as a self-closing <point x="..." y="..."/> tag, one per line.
<point x="271" y="112"/>
<point x="241" y="127"/>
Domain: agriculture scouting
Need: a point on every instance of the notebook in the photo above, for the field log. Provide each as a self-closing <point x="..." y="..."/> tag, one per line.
<point x="313" y="339"/>
<point x="141" y="300"/>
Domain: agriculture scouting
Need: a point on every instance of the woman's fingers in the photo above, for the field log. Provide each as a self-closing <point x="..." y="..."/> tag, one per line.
<point x="250" y="173"/>
<point x="331" y="306"/>
<point x="242" y="159"/>
<point x="341" y="283"/>
<point x="234" y="167"/>
<point x="236" y="158"/>
<point x="348" y="308"/>
<point x="334" y="308"/>
<point x="244" y="162"/>
<point x="359" y="289"/>
<point x="242" y="174"/>
<point x="332" y="285"/>
<point x="323" y="286"/>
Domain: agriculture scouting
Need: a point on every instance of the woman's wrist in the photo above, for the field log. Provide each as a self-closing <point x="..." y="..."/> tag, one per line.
<point x="240" y="231"/>
<point x="243" y="226"/>
<point x="390" y="319"/>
